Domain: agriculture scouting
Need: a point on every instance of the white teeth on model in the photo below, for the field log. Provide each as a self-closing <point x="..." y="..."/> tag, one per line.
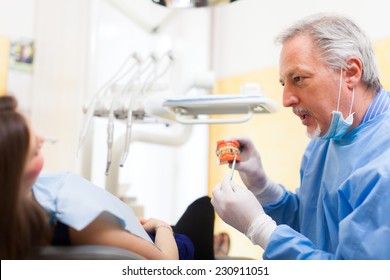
<point x="227" y="149"/>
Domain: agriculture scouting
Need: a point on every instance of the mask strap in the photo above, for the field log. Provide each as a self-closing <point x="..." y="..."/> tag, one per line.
<point x="353" y="98"/>
<point x="341" y="81"/>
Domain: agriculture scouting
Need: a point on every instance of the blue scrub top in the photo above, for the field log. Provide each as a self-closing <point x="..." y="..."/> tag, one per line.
<point x="342" y="208"/>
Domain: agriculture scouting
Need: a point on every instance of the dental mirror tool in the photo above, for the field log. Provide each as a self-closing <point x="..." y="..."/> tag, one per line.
<point x="233" y="166"/>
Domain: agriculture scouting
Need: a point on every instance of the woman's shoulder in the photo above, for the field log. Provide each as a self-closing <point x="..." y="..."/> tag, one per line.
<point x="77" y="202"/>
<point x="46" y="190"/>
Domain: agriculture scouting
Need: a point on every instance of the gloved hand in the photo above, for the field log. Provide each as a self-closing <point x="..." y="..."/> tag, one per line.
<point x="253" y="175"/>
<point x="239" y="208"/>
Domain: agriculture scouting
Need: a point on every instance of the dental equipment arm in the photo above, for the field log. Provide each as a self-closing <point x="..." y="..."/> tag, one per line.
<point x="188" y="109"/>
<point x="173" y="135"/>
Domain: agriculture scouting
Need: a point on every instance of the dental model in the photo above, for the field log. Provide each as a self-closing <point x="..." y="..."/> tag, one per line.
<point x="227" y="150"/>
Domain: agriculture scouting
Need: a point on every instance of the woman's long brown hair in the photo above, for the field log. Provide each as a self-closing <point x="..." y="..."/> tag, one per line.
<point x="22" y="220"/>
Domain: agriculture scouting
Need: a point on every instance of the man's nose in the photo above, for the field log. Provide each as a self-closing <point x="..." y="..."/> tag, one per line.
<point x="289" y="98"/>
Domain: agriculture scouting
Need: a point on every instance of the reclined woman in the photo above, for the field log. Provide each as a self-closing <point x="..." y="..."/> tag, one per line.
<point x="65" y="209"/>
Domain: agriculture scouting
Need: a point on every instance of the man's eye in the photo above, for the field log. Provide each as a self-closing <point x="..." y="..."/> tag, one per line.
<point x="297" y="79"/>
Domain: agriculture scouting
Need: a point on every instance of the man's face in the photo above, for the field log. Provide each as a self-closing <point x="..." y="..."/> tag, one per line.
<point x="309" y="86"/>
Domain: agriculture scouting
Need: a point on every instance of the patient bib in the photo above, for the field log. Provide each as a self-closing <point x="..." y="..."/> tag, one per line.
<point x="77" y="202"/>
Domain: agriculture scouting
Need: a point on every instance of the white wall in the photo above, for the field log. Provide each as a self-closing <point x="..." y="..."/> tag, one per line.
<point x="17" y="23"/>
<point x="52" y="92"/>
<point x="61" y="31"/>
<point x="246" y="29"/>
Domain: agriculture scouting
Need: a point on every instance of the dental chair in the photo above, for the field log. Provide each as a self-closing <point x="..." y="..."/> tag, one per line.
<point x="96" y="252"/>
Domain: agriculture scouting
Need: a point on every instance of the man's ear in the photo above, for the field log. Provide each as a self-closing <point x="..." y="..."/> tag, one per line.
<point x="354" y="71"/>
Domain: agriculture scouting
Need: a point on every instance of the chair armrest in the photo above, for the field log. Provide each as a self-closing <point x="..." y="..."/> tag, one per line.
<point x="85" y="252"/>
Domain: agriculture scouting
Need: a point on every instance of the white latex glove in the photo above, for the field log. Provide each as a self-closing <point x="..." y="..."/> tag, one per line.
<point x="239" y="208"/>
<point x="253" y="175"/>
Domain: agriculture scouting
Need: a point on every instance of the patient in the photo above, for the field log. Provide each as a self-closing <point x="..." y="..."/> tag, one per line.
<point x="65" y="209"/>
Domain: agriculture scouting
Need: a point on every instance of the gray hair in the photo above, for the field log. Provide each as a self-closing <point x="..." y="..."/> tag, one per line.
<point x="337" y="38"/>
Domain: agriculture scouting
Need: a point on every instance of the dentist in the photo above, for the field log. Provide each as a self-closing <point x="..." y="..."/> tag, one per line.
<point x="341" y="209"/>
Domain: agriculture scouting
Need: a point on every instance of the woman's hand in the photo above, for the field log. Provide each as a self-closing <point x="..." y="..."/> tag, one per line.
<point x="164" y="237"/>
<point x="150" y="225"/>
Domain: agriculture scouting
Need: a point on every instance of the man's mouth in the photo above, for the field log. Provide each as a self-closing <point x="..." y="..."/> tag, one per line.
<point x="303" y="114"/>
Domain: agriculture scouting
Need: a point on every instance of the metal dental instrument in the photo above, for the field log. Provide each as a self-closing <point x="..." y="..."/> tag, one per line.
<point x="110" y="134"/>
<point x="132" y="99"/>
<point x="111" y="115"/>
<point x="150" y="79"/>
<point x="111" y="120"/>
<point x="233" y="166"/>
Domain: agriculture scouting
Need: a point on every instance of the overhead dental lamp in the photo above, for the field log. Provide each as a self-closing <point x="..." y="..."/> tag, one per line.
<point x="190" y="3"/>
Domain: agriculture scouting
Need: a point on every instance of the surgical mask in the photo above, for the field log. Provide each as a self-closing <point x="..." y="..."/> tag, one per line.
<point x="338" y="125"/>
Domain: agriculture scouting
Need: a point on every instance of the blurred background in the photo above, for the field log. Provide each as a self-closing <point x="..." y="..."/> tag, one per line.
<point x="56" y="54"/>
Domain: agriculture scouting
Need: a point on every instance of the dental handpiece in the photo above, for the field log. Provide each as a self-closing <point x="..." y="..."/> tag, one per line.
<point x="110" y="134"/>
<point x="129" y="122"/>
<point x="110" y="140"/>
<point x="127" y="139"/>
